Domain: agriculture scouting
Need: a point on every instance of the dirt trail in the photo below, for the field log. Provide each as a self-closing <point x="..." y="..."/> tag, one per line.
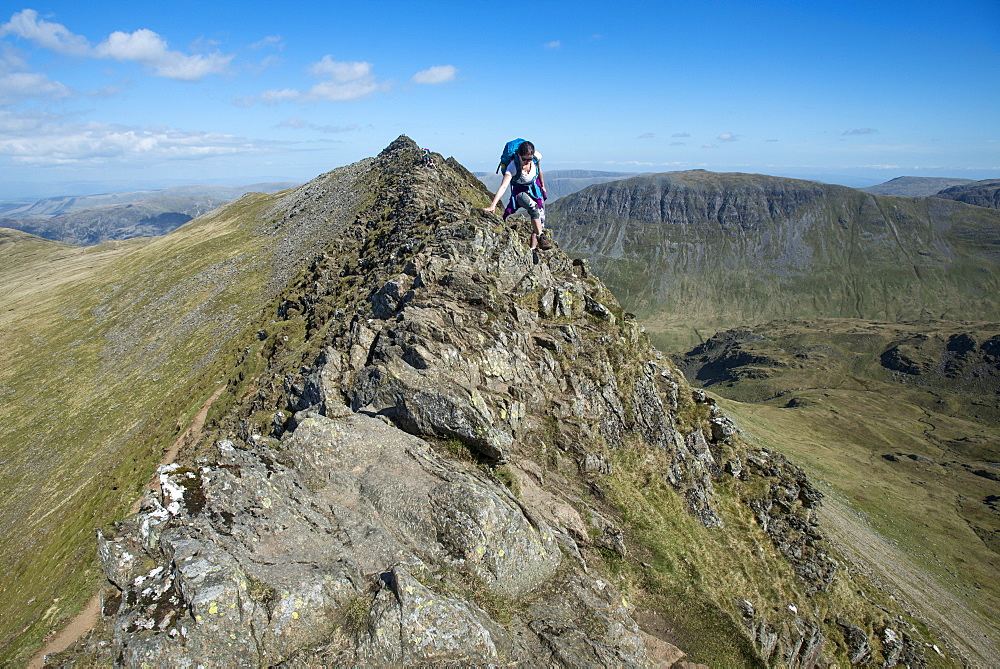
<point x="85" y="620"/>
<point x="967" y="634"/>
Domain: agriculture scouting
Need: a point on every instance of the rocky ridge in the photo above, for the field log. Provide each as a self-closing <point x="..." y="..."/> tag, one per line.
<point x="422" y="474"/>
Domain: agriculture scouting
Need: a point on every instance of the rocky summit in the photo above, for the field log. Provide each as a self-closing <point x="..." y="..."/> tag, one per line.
<point x="462" y="451"/>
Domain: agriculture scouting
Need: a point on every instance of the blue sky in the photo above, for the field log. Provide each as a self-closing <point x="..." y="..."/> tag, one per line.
<point x="122" y="95"/>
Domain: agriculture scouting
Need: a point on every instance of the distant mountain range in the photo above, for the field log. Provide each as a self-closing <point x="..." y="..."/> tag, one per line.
<point x="560" y="183"/>
<point x="92" y="219"/>
<point x="694" y="252"/>
<point x="916" y="186"/>
<point x="980" y="193"/>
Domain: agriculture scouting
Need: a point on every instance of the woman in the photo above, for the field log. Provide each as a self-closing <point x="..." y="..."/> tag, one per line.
<point x="527" y="190"/>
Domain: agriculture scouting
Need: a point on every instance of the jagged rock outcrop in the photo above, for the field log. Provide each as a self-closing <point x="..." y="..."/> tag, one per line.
<point x="420" y="475"/>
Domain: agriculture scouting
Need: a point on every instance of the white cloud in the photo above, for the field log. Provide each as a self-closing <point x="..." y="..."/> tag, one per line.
<point x="16" y="84"/>
<point x="336" y="91"/>
<point x="148" y="48"/>
<point x="50" y="35"/>
<point x="681" y="134"/>
<point x="555" y="44"/>
<point x="39" y="140"/>
<point x="861" y="131"/>
<point x="340" y="71"/>
<point x="273" y="97"/>
<point x="142" y="46"/>
<point x="439" y="74"/>
<point x="727" y="137"/>
<point x="343" y="81"/>
<point x="709" y="145"/>
<point x="647" y="135"/>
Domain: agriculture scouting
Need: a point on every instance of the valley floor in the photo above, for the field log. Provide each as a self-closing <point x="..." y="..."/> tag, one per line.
<point x="898" y="424"/>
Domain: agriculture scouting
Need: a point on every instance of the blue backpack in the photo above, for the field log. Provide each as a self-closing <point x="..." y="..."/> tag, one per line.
<point x="509" y="151"/>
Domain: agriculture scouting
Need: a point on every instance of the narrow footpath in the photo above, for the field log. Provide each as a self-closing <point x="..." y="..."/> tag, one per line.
<point x="85" y="620"/>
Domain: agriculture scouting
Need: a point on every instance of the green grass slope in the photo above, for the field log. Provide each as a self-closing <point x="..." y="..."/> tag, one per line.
<point x="108" y="353"/>
<point x="695" y="252"/>
<point x="901" y="424"/>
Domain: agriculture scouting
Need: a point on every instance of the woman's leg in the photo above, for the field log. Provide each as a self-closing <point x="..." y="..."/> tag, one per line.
<point x="528" y="203"/>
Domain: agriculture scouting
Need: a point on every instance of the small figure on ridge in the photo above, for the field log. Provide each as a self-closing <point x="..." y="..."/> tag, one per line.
<point x="523" y="173"/>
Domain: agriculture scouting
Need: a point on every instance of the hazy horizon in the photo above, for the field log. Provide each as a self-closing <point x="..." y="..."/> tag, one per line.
<point x="144" y="95"/>
<point x="13" y="191"/>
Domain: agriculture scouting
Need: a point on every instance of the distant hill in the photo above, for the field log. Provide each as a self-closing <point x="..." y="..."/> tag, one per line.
<point x="92" y="219"/>
<point x="144" y="218"/>
<point x="56" y="206"/>
<point x="980" y="193"/>
<point x="915" y="186"/>
<point x="560" y="183"/>
<point x="695" y="252"/>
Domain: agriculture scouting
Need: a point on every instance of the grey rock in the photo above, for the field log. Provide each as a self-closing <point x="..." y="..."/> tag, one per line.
<point x="892" y="647"/>
<point x="858" y="647"/>
<point x="410" y="625"/>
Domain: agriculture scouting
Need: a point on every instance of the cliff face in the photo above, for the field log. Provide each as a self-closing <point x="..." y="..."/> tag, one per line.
<point x="787" y="248"/>
<point x="984" y="193"/>
<point x="445" y="448"/>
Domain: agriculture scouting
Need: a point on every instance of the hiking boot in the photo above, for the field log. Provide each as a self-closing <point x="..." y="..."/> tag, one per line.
<point x="544" y="243"/>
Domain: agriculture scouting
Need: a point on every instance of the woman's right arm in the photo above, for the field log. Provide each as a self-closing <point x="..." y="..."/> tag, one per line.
<point x="503" y="186"/>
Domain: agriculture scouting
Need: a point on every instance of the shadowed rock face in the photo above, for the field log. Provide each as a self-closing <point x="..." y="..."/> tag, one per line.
<point x="329" y="518"/>
<point x="984" y="193"/>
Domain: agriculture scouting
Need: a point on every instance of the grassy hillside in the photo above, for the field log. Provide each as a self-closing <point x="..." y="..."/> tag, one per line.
<point x="695" y="252"/>
<point x="901" y="424"/>
<point x="109" y="352"/>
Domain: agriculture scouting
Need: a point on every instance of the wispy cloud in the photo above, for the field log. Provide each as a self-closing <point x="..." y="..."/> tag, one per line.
<point x="300" y="124"/>
<point x="142" y="46"/>
<point x="681" y="134"/>
<point x="439" y="74"/>
<point x="709" y="145"/>
<point x="677" y="144"/>
<point x="861" y="131"/>
<point x="274" y="96"/>
<point x="647" y="135"/>
<point x="643" y="163"/>
<point x="17" y="84"/>
<point x="554" y="44"/>
<point x="341" y="81"/>
<point x="271" y="41"/>
<point x="53" y="36"/>
<point x="728" y="137"/>
<point x="48" y="140"/>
